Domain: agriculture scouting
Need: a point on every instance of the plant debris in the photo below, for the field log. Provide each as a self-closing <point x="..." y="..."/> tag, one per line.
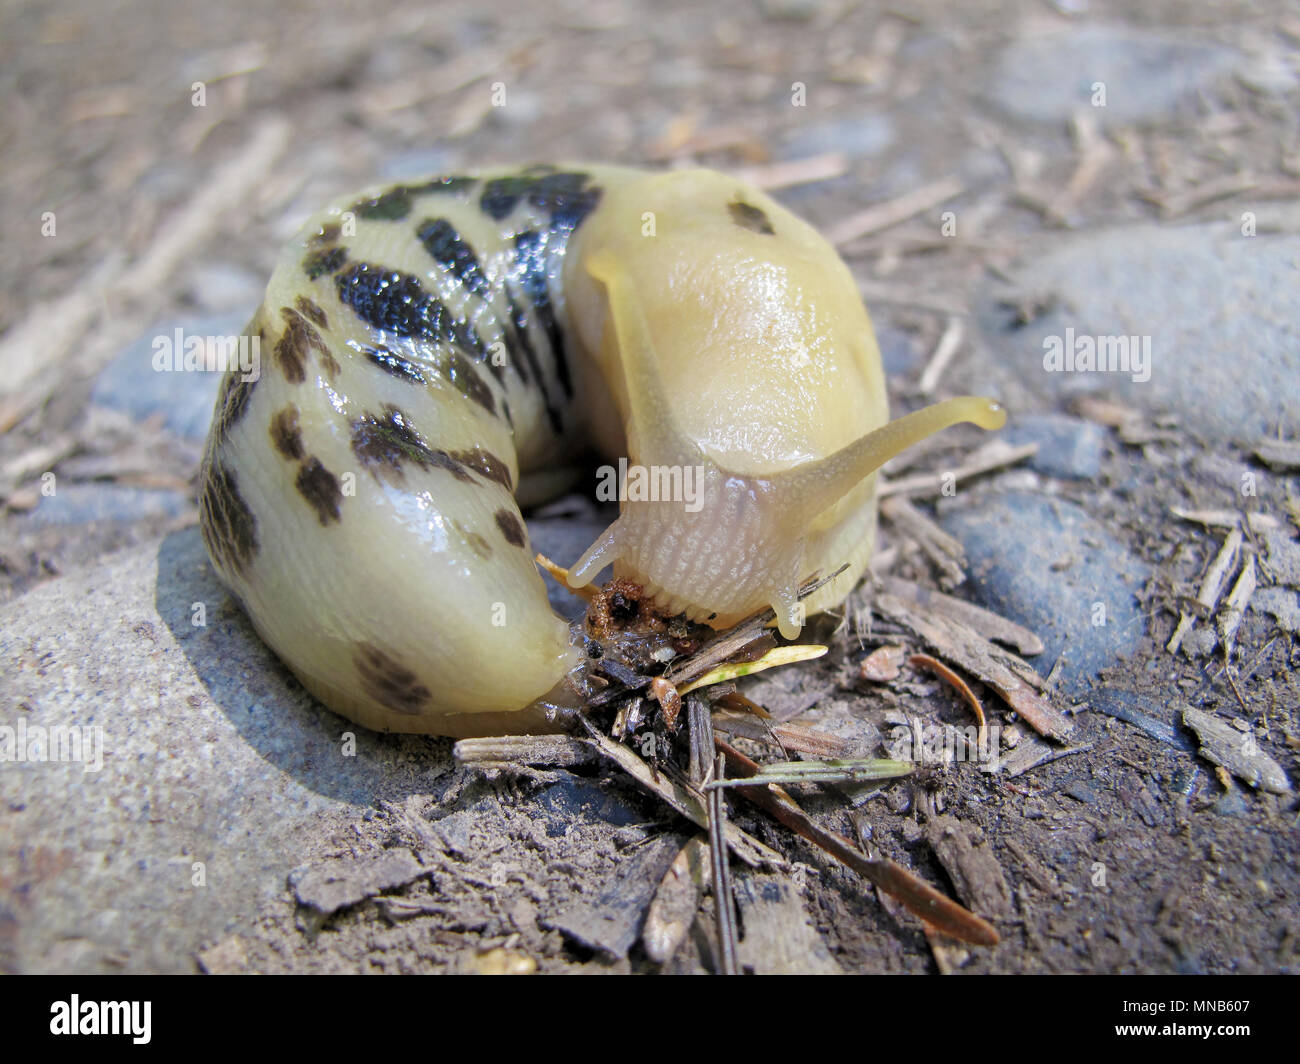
<point x="1237" y="751"/>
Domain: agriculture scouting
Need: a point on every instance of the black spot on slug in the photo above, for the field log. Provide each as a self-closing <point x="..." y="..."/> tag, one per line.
<point x="388" y="681"/>
<point x="511" y="527"/>
<point x="233" y="402"/>
<point x="312" y="311"/>
<point x="447" y="247"/>
<point x="394" y="364"/>
<point x="390" y="206"/>
<point x="473" y="541"/>
<point x="750" y="217"/>
<point x="327" y="234"/>
<point x="565" y="197"/>
<point x="285" y="433"/>
<point x="532" y="257"/>
<point x="397" y="303"/>
<point x="227" y="524"/>
<point x="501" y="195"/>
<point x="386" y="441"/>
<point x="327" y="260"/>
<point x="320" y="488"/>
<point x="462" y="374"/>
<point x="486" y="464"/>
<point x="300" y="338"/>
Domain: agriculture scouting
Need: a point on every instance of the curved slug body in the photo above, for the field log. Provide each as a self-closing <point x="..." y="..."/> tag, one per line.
<point x="436" y="354"/>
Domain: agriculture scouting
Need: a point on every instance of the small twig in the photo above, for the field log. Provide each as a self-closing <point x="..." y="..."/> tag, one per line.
<point x="945" y="551"/>
<point x="793" y="172"/>
<point x="919" y="897"/>
<point x="948" y="345"/>
<point x="724" y="901"/>
<point x="1211" y="587"/>
<point x="996" y="454"/>
<point x="699" y="722"/>
<point x="686" y="800"/>
<point x="885" y="215"/>
<point x="1238" y="600"/>
<point x="963" y="689"/>
<point x="729" y="643"/>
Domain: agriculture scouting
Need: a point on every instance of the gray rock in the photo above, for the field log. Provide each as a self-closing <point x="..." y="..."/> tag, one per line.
<point x="336" y="884"/>
<point x="1215" y="310"/>
<point x="1048" y="565"/>
<point x="212" y="756"/>
<point x="1283" y="556"/>
<point x="223" y="288"/>
<point x="860" y="134"/>
<point x="610" y="921"/>
<point x="84" y="504"/>
<point x="131" y="384"/>
<point x="1280" y="604"/>
<point x="1067" y="446"/>
<point x="1146" y="75"/>
<point x="573" y="800"/>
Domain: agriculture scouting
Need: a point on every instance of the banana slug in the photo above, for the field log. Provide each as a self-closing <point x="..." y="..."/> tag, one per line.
<point x="435" y="353"/>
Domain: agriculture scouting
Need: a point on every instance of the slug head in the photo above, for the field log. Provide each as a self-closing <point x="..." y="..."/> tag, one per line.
<point x="731" y="341"/>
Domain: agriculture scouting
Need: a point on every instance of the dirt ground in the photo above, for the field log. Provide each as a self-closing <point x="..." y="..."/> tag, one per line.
<point x="1132" y="855"/>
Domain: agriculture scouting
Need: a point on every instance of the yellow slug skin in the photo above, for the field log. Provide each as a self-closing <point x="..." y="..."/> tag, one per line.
<point x="750" y="328"/>
<point x="434" y="352"/>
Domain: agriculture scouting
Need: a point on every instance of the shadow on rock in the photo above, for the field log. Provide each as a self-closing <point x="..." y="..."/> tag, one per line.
<point x="269" y="708"/>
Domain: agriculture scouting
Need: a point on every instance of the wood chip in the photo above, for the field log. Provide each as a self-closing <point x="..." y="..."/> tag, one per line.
<point x="971" y="865"/>
<point x="786" y="736"/>
<point x="780" y="938"/>
<point x="1282" y="455"/>
<point x="1238" y="599"/>
<point x="1211" y="587"/>
<point x="1031" y="753"/>
<point x="891" y="212"/>
<point x="1258" y="522"/>
<point x="1236" y="751"/>
<point x="948" y="345"/>
<point x="1012" y="678"/>
<point x="989" y="624"/>
<point x="676" y="900"/>
<point x="882" y="664"/>
<point x="337" y="884"/>
<point x="610" y="919"/>
<point x="806" y="171"/>
<point x="945" y="551"/>
<point x="996" y="454"/>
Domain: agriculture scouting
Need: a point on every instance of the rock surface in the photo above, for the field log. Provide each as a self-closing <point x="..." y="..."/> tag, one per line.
<point x="215" y="766"/>
<point x="1217" y="309"/>
<point x="1048" y="565"/>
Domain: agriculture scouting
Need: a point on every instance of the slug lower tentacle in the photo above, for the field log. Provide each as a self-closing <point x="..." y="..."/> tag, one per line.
<point x="437" y="353"/>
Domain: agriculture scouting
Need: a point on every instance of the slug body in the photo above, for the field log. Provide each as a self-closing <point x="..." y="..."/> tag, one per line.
<point x="435" y="355"/>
